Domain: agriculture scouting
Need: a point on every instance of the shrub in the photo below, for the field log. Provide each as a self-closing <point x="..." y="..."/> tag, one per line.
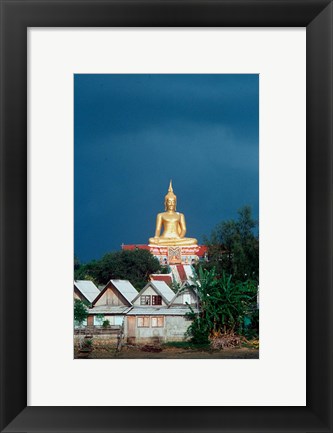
<point x="106" y="323"/>
<point x="199" y="332"/>
<point x="87" y="343"/>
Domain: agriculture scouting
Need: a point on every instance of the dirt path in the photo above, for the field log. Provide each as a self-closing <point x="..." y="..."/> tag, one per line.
<point x="175" y="353"/>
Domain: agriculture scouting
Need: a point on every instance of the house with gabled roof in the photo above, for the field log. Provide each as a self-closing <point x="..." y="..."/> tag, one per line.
<point x="154" y="293"/>
<point x="187" y="295"/>
<point x="157" y="313"/>
<point x="154" y="317"/>
<point x="112" y="303"/>
<point x="85" y="290"/>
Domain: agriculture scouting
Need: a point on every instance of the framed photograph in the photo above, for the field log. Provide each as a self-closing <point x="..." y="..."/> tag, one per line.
<point x="137" y="293"/>
<point x="59" y="63"/>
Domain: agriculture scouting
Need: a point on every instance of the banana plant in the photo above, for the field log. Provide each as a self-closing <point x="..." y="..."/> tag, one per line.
<point x="223" y="304"/>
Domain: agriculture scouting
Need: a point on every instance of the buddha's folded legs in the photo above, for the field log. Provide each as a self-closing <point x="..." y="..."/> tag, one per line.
<point x="173" y="241"/>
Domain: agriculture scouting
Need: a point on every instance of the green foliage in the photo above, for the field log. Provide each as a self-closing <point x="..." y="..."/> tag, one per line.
<point x="80" y="312"/>
<point x="77" y="263"/>
<point x="135" y="266"/>
<point x="87" y="271"/>
<point x="252" y="330"/>
<point x="86" y="344"/>
<point x="233" y="247"/>
<point x="198" y="331"/>
<point x="175" y="287"/>
<point x="223" y="302"/>
<point x="106" y="323"/>
<point x="165" y="269"/>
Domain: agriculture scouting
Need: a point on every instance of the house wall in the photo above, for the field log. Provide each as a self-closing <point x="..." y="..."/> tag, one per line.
<point x="176" y="327"/>
<point x="78" y="295"/>
<point x="111" y="297"/>
<point x="187" y="296"/>
<point x="115" y="319"/>
<point x="149" y="291"/>
<point x="173" y="330"/>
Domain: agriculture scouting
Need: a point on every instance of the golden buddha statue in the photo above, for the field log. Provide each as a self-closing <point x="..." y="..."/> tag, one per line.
<point x="174" y="227"/>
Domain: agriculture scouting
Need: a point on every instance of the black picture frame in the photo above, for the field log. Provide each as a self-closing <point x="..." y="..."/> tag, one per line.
<point x="16" y="17"/>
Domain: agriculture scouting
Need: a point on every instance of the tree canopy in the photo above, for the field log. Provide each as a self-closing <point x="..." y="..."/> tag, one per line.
<point x="233" y="247"/>
<point x="80" y="312"/>
<point x="135" y="266"/>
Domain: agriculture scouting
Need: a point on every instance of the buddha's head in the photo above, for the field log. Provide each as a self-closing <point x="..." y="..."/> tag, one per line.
<point x="170" y="201"/>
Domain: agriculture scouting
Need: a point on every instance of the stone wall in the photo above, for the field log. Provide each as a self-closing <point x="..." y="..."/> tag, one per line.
<point x="99" y="340"/>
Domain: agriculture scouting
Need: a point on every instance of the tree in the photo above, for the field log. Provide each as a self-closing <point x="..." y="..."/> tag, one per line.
<point x="80" y="314"/>
<point x="135" y="266"/>
<point x="77" y="263"/>
<point x="87" y="271"/>
<point x="233" y="247"/>
<point x="223" y="305"/>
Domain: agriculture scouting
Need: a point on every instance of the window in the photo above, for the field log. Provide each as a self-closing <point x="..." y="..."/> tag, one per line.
<point x="143" y="322"/>
<point x="98" y="320"/>
<point x="187" y="298"/>
<point x="118" y="320"/>
<point x="145" y="300"/>
<point x="156" y="300"/>
<point x="157" y="322"/>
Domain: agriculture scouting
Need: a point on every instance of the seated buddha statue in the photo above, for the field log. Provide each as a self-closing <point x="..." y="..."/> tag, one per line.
<point x="173" y="224"/>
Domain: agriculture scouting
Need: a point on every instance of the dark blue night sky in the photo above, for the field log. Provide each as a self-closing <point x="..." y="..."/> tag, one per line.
<point x="133" y="133"/>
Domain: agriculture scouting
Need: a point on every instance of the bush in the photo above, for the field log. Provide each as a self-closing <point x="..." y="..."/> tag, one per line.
<point x="199" y="332"/>
<point x="106" y="323"/>
<point x="252" y="330"/>
<point x="87" y="343"/>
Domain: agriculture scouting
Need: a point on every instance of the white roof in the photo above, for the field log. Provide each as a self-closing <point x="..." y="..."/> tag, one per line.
<point x="108" y="309"/>
<point x="189" y="272"/>
<point x="184" y="290"/>
<point x="87" y="288"/>
<point x="164" y="289"/>
<point x="162" y="311"/>
<point x="128" y="291"/>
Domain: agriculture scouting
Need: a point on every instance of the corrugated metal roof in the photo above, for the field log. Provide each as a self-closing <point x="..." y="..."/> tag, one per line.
<point x="87" y="288"/>
<point x="128" y="291"/>
<point x="164" y="289"/>
<point x="156" y="311"/>
<point x="189" y="272"/>
<point x="184" y="290"/>
<point x="108" y="309"/>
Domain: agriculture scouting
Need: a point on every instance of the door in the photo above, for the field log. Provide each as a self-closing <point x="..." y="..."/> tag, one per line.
<point x="131" y="322"/>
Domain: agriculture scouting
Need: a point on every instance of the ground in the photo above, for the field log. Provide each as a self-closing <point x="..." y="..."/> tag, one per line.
<point x="136" y="352"/>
